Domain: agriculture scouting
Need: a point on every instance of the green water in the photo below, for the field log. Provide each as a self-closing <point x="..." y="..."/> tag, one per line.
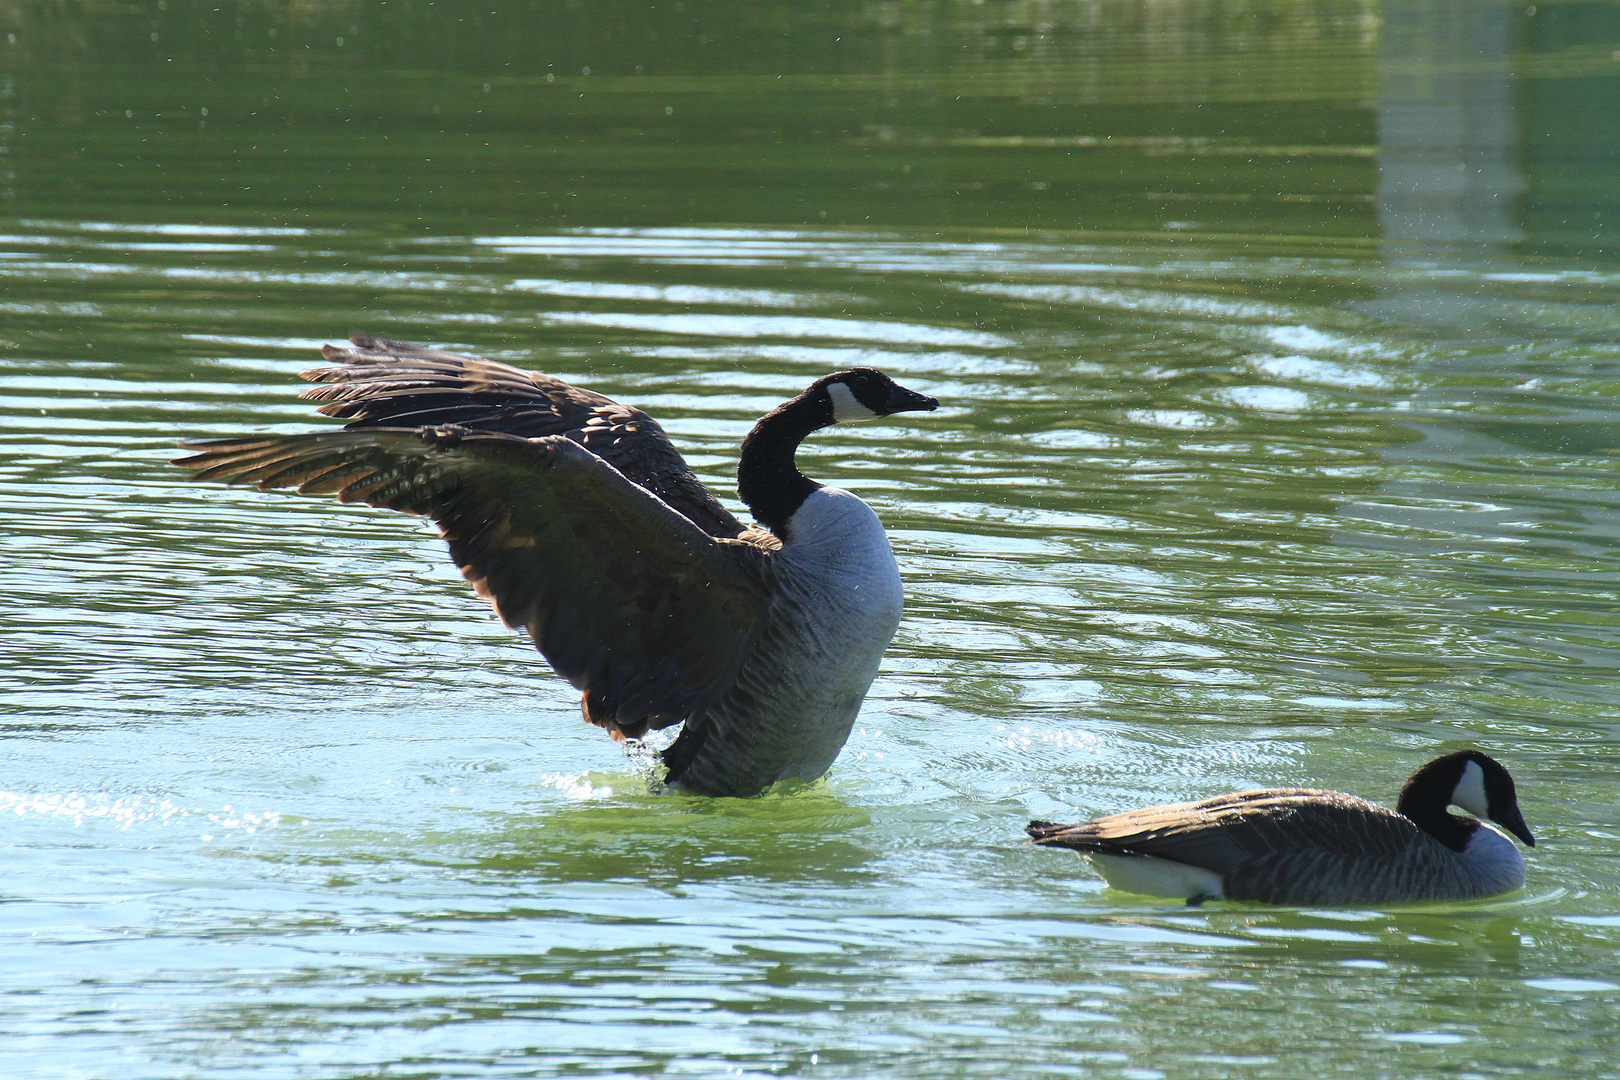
<point x="1277" y="348"/>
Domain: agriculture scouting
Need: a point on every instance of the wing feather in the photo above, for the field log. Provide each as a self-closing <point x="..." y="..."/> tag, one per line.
<point x="394" y="384"/>
<point x="1230" y="831"/>
<point x="626" y="597"/>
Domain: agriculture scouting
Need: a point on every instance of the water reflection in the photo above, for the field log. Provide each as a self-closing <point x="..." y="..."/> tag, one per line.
<point x="1447" y="130"/>
<point x="789" y="837"/>
<point x="1057" y="115"/>
<point x="1431" y="123"/>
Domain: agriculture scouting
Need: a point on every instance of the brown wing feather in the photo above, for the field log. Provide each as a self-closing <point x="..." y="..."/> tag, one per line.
<point x="1228" y="831"/>
<point x="382" y="383"/>
<point x="628" y="599"/>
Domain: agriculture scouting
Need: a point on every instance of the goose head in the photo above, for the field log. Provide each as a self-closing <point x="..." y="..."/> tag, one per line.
<point x="767" y="479"/>
<point x="866" y="394"/>
<point x="1468" y="779"/>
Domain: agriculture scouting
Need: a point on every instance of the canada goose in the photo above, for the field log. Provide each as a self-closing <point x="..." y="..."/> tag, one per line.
<point x="1302" y="846"/>
<point x="579" y="521"/>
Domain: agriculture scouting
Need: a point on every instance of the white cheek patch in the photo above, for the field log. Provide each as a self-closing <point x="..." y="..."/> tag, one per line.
<point x="846" y="410"/>
<point x="1470" y="792"/>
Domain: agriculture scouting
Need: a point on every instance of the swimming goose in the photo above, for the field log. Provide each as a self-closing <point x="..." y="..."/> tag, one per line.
<point x="1301" y="846"/>
<point x="581" y="523"/>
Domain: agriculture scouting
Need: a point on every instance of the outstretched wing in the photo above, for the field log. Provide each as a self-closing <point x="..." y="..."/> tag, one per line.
<point x="1222" y="833"/>
<point x="382" y="383"/>
<point x="629" y="600"/>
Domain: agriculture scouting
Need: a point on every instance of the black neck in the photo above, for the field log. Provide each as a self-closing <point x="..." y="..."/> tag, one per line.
<point x="1425" y="807"/>
<point x="767" y="479"/>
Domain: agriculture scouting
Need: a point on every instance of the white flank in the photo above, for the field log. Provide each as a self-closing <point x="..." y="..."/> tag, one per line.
<point x="1151" y="876"/>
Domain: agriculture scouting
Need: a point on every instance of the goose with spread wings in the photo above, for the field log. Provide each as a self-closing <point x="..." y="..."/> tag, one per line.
<point x="577" y="518"/>
<point x="1305" y="846"/>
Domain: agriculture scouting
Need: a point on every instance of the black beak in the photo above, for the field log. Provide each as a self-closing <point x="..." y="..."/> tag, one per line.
<point x="903" y="400"/>
<point x="1513" y="822"/>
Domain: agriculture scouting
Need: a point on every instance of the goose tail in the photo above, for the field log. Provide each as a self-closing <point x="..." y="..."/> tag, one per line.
<point x="1043" y="830"/>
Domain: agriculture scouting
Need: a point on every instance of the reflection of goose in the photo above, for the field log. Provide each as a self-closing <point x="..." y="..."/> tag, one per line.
<point x="577" y="518"/>
<point x="1300" y="846"/>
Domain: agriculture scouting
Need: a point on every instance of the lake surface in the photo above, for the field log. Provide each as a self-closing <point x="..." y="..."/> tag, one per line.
<point x="1278" y="357"/>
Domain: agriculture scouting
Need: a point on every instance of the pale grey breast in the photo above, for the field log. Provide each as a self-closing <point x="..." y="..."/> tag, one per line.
<point x="836" y="606"/>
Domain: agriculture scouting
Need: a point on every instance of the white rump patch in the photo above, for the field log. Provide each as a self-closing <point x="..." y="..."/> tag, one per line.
<point x="846" y="409"/>
<point x="1150" y="876"/>
<point x="1470" y="791"/>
